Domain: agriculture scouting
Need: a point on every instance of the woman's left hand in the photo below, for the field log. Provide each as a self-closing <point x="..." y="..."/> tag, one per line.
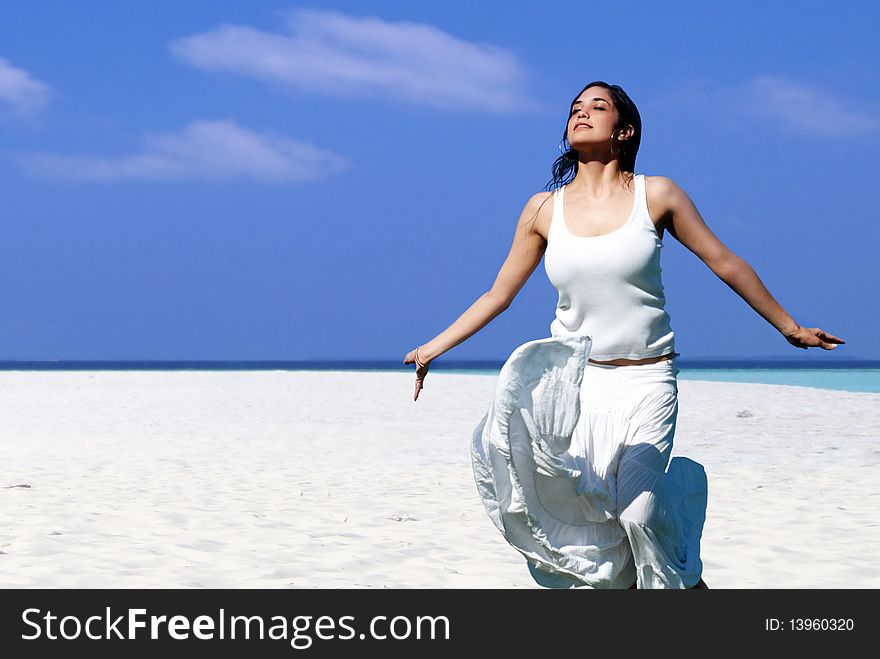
<point x="813" y="337"/>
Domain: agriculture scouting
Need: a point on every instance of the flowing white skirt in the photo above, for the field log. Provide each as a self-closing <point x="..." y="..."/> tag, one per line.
<point x="572" y="463"/>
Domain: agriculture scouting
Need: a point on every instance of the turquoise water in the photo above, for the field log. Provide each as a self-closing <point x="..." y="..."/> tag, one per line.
<point x="842" y="379"/>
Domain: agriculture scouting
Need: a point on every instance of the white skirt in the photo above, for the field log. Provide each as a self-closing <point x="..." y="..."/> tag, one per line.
<point x="572" y="463"/>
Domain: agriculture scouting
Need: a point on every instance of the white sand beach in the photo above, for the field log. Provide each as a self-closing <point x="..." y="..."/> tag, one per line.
<point x="338" y="479"/>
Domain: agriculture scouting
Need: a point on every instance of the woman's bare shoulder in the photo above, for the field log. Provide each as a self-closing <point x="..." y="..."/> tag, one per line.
<point x="539" y="211"/>
<point x="660" y="187"/>
<point x="660" y="190"/>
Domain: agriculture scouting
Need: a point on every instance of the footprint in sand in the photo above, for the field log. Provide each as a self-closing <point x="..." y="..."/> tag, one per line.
<point x="405" y="517"/>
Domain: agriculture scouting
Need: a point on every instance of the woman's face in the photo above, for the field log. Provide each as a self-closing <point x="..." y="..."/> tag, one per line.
<point x="595" y="109"/>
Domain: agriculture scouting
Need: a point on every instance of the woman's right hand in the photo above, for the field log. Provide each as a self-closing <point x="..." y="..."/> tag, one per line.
<point x="421" y="370"/>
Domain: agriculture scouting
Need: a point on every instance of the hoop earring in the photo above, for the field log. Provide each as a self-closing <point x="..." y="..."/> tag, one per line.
<point x="620" y="149"/>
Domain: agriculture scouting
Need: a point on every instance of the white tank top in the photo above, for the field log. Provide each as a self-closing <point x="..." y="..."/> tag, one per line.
<point x="609" y="285"/>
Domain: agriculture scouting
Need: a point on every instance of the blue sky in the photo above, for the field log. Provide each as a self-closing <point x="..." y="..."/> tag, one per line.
<point x="264" y="180"/>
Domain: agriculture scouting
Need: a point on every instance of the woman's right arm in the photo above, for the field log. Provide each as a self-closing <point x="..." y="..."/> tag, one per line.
<point x="525" y="255"/>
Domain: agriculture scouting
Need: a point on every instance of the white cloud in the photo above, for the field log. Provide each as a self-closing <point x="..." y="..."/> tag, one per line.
<point x="20" y="90"/>
<point x="335" y="54"/>
<point x="778" y="101"/>
<point x="807" y="108"/>
<point x="206" y="150"/>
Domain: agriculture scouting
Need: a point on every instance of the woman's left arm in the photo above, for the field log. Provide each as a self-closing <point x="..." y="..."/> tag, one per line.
<point x="682" y="219"/>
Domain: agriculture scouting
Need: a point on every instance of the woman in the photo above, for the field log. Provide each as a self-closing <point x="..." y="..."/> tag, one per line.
<point x="572" y="460"/>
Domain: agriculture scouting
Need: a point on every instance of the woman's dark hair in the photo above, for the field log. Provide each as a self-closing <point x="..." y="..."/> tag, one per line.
<point x="566" y="165"/>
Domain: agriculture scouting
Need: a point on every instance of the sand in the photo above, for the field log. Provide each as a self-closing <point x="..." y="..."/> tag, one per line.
<point x="338" y="479"/>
